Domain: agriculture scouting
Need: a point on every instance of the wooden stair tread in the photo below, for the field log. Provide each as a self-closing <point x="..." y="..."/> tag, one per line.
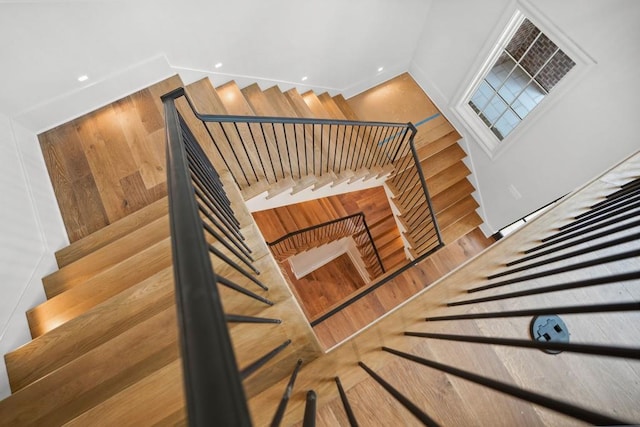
<point x="395" y="260"/>
<point x="456" y="211"/>
<point x="99" y="288"/>
<point x="298" y="104"/>
<point x="73" y="338"/>
<point x="455" y="192"/>
<point x="346" y="109"/>
<point x="233" y="99"/>
<point x="279" y="102"/>
<point x="112" y="232"/>
<point x="315" y="105"/>
<point x="441" y="181"/>
<point x="203" y="93"/>
<point x="106" y="257"/>
<point x="442" y="160"/>
<point x="436" y="132"/>
<point x="431" y="148"/>
<point x="332" y="108"/>
<point x="97" y="374"/>
<point x="231" y="145"/>
<point x="461" y="227"/>
<point x="160" y="393"/>
<point x="262" y="106"/>
<point x="385" y="237"/>
<point x="390" y="248"/>
<point x="303" y="158"/>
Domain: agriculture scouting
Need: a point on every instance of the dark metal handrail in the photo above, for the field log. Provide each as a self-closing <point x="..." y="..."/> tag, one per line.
<point x="270" y="149"/>
<point x="213" y="389"/>
<point x="212" y="382"/>
<point x="354" y="225"/>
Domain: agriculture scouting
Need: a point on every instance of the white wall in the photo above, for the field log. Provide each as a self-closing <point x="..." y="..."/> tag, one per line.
<point x="592" y="126"/>
<point x="26" y="249"/>
<point x="338" y="45"/>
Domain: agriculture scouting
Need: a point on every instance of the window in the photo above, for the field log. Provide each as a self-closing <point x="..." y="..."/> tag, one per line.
<point x="526" y="70"/>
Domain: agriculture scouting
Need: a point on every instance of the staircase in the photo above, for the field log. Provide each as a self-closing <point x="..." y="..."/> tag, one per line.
<point x="105" y="343"/>
<point x="372" y="202"/>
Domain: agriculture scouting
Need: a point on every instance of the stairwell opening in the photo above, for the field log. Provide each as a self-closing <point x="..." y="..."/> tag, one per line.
<point x="339" y="279"/>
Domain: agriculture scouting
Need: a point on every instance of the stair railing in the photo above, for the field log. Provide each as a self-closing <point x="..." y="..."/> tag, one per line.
<point x="276" y="149"/>
<point x="212" y="381"/>
<point x="203" y="225"/>
<point x="611" y="226"/>
<point x="354" y="226"/>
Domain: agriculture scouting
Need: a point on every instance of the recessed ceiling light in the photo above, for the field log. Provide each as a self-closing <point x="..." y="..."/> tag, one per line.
<point x="218" y="65"/>
<point x="304" y="78"/>
<point x="83" y="78"/>
<point x="380" y="69"/>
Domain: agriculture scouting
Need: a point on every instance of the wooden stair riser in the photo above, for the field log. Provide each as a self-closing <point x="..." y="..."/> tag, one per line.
<point x="106" y="257"/>
<point x="98" y="374"/>
<point x="85" y="332"/>
<point x="99" y="288"/>
<point x="112" y="232"/>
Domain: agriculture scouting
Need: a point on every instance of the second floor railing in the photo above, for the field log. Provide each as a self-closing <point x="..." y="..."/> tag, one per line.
<point x="354" y="226"/>
<point x="204" y="228"/>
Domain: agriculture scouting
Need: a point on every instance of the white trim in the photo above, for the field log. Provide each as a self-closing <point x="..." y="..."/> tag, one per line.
<point x="514" y="15"/>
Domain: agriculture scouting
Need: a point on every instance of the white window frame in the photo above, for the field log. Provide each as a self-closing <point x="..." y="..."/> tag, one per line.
<point x="487" y="140"/>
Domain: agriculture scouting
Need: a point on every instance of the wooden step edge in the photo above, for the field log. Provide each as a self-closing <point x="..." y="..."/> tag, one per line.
<point x="106" y="257"/>
<point x="456" y="211"/>
<point x="379" y="222"/>
<point x="437" y="185"/>
<point x="280" y="187"/>
<point x="396" y="260"/>
<point x="98" y="374"/>
<point x="70" y="340"/>
<point x="112" y="232"/>
<point x="327" y="178"/>
<point x="346" y="109"/>
<point x="461" y="227"/>
<point x="304" y="183"/>
<point x="315" y="105"/>
<point x="332" y="108"/>
<point x="391" y="250"/>
<point x="255" y="190"/>
<point x="460" y="189"/>
<point x="82" y="297"/>
<point x="161" y="394"/>
<point x="344" y="176"/>
<point x="358" y="174"/>
<point x="431" y="148"/>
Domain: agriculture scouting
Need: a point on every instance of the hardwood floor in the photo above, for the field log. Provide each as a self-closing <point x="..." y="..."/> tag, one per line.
<point x="352" y="319"/>
<point x="109" y="163"/>
<point x="325" y="286"/>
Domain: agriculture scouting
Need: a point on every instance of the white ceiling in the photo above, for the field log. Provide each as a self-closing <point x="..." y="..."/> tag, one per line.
<point x="338" y="44"/>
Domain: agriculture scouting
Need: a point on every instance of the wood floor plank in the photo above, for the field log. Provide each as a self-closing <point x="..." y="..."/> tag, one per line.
<point x="146" y="149"/>
<point x="71" y="177"/>
<point x="90" y="158"/>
